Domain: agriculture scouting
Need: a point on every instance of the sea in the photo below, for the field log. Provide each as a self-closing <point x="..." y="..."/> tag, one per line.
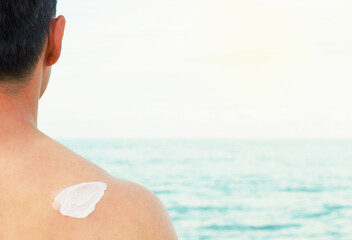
<point x="226" y="189"/>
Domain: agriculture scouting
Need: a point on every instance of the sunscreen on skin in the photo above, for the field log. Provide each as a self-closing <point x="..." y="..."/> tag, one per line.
<point x="78" y="201"/>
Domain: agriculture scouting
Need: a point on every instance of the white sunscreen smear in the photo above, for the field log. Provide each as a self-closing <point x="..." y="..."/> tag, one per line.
<point x="78" y="201"/>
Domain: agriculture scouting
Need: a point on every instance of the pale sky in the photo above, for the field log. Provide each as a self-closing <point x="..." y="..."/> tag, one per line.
<point x="202" y="69"/>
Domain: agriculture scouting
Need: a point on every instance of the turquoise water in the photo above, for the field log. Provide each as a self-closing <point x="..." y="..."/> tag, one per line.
<point x="239" y="189"/>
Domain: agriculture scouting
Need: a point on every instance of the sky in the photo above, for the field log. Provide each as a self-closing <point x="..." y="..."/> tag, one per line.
<point x="202" y="69"/>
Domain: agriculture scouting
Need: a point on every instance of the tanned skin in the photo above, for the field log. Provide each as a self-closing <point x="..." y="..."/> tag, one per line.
<point x="33" y="167"/>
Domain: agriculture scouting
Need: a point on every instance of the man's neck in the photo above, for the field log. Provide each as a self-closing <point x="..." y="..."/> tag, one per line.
<point x="18" y="113"/>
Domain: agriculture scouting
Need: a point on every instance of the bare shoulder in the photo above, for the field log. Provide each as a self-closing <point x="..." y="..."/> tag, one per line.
<point x="126" y="211"/>
<point x="140" y="211"/>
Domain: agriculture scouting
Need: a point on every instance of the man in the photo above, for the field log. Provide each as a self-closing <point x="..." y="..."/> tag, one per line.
<point x="33" y="166"/>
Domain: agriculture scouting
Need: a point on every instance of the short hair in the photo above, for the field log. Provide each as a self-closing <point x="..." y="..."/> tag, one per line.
<point x="24" y="28"/>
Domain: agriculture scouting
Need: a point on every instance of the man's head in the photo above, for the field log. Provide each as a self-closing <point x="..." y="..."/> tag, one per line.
<point x="29" y="34"/>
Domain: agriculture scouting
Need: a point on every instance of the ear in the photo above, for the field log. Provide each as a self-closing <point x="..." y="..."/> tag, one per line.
<point x="54" y="44"/>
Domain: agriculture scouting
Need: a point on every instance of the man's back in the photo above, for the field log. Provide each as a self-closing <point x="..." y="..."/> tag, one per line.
<point x="33" y="167"/>
<point x="33" y="170"/>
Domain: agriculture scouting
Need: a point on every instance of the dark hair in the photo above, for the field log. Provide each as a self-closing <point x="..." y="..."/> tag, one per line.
<point x="24" y="27"/>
